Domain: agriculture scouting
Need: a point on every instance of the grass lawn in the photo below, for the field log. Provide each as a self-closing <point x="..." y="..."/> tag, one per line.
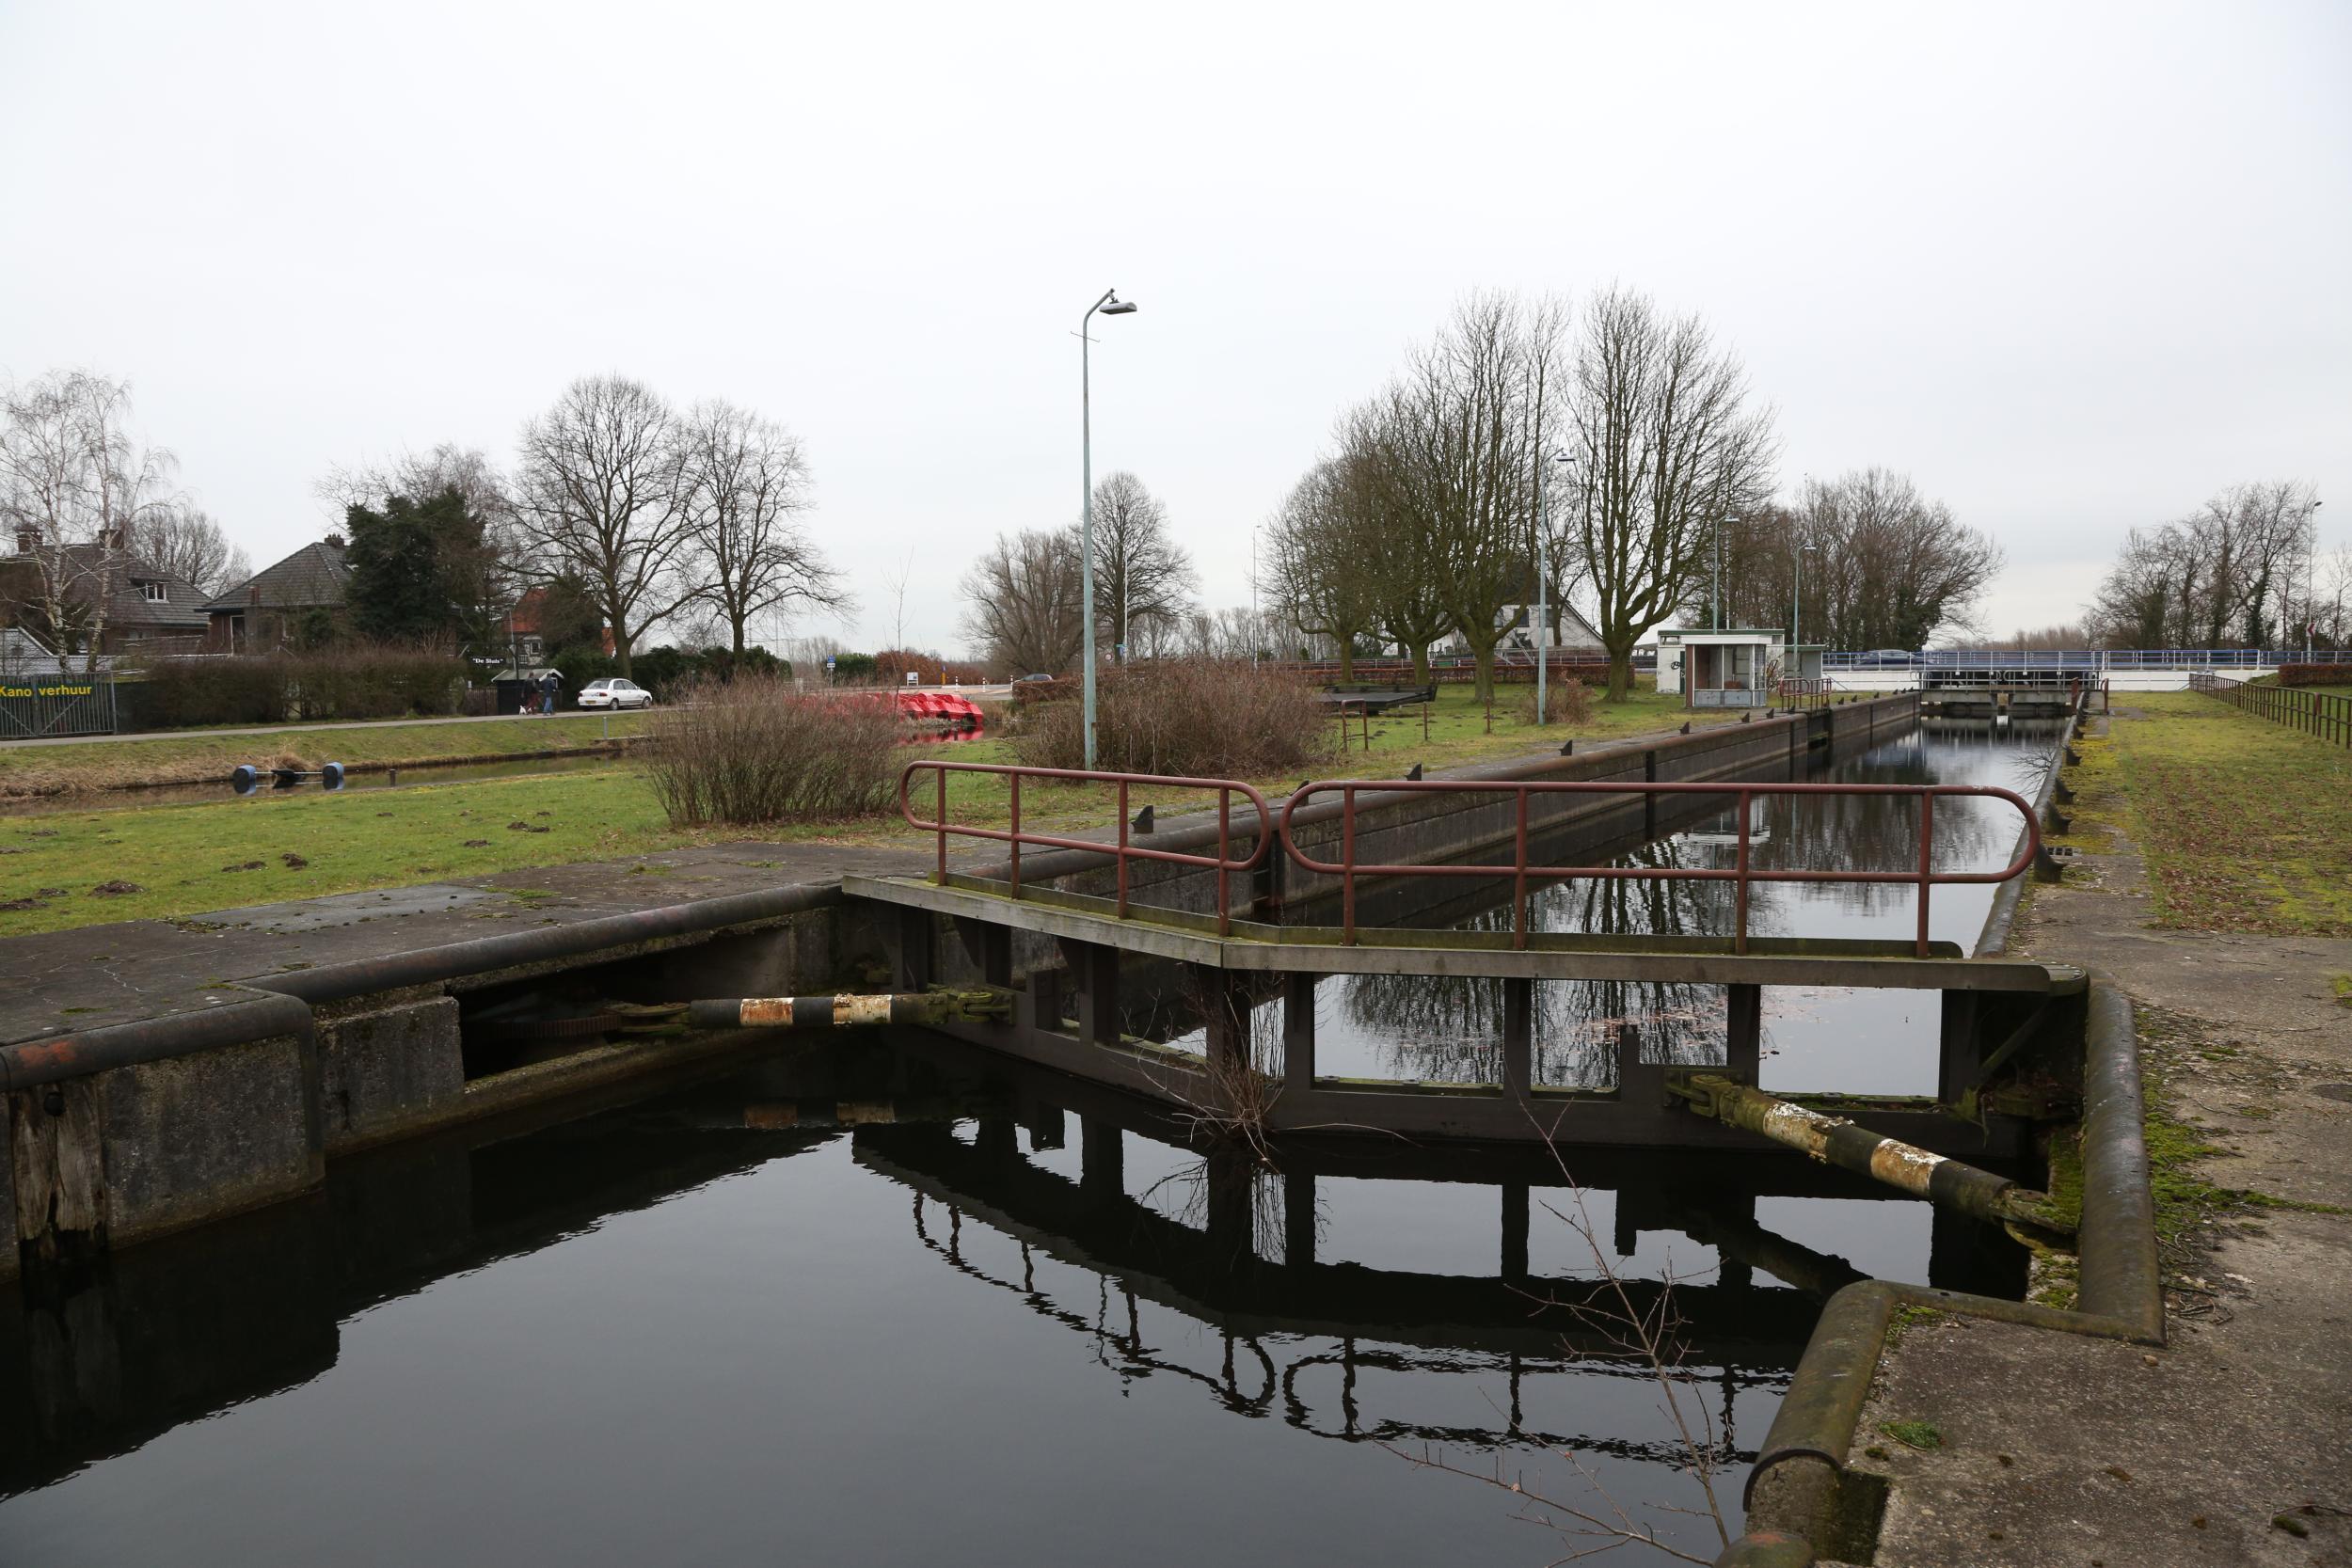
<point x="2246" y="825"/>
<point x="184" y="859"/>
<point x="201" y="757"/>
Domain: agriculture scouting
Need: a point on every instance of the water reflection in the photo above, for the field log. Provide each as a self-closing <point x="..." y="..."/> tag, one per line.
<point x="1450" y="1030"/>
<point x="771" y="1293"/>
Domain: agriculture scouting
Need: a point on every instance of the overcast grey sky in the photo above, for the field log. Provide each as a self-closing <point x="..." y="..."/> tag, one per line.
<point x="2072" y="266"/>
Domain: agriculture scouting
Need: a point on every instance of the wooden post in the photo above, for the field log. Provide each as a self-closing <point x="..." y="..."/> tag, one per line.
<point x="1095" y="967"/>
<point x="1298" y="1033"/>
<point x="1960" y="1048"/>
<point x="1225" y="1007"/>
<point x="1101" y="1160"/>
<point x="1519" y="1036"/>
<point x="1515" y="1227"/>
<point x="1743" y="1031"/>
<point x="1299" y="1217"/>
<point x="911" y="945"/>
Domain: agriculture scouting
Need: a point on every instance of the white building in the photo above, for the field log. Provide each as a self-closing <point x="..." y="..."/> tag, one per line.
<point x="1735" y="667"/>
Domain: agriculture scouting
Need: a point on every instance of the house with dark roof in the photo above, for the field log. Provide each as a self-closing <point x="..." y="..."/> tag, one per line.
<point x="146" y="609"/>
<point x="269" y="609"/>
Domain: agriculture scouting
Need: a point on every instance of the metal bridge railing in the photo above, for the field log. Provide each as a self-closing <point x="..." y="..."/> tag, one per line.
<point x="2086" y="658"/>
<point x="1223" y="862"/>
<point x="2321" y="714"/>
<point x="1521" y="869"/>
<point x="1743" y="874"/>
<point x="1805" y="691"/>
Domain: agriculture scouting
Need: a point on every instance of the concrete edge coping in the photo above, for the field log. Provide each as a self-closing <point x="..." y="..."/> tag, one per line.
<point x="2003" y="914"/>
<point x="2121" y="1296"/>
<point x="278" y="1004"/>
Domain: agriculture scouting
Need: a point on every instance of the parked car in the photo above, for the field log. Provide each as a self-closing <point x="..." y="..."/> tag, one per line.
<point x="614" y="691"/>
<point x="1024" y="680"/>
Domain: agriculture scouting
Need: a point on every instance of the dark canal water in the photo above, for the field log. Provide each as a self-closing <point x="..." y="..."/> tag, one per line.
<point x="872" y="1301"/>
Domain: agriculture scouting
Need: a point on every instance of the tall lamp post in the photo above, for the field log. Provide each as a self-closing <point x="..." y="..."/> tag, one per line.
<point x="2310" y="582"/>
<point x="1253" y="594"/>
<point x="1796" y="610"/>
<point x="1718" y="567"/>
<point x="1543" y="579"/>
<point x="1110" y="305"/>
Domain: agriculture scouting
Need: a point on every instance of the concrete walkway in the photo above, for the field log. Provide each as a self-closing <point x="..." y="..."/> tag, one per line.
<point x="2234" y="1443"/>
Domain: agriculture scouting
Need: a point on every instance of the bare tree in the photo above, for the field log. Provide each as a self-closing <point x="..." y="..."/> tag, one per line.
<point x="1397" y="557"/>
<point x="185" y="542"/>
<point x="1142" y="575"/>
<point x="1667" y="444"/>
<point x="2332" y="596"/>
<point x="1321" y="572"/>
<point x="1884" y="565"/>
<point x="2236" y="569"/>
<point x="74" y="487"/>
<point x="896" y="579"/>
<point x="600" y="492"/>
<point x="745" y="482"/>
<point x="1456" y="446"/>
<point x="1022" y="602"/>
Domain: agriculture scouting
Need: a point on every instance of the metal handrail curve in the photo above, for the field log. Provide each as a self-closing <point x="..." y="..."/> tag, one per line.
<point x="1743" y="875"/>
<point x="1223" y="862"/>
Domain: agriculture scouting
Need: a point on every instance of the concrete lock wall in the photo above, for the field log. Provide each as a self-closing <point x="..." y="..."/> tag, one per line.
<point x="131" y="1152"/>
<point x="387" y="1064"/>
<point x="138" y="1150"/>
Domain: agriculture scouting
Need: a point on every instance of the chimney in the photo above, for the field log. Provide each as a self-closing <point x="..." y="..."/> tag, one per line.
<point x="115" y="537"/>
<point x="27" y="539"/>
<point x="336" y="540"/>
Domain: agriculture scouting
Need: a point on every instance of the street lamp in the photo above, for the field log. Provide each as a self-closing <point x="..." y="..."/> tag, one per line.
<point x="1110" y="305"/>
<point x="1796" y="610"/>
<point x="1254" y="528"/>
<point x="1719" y="567"/>
<point x="2311" y="583"/>
<point x="1543" y="576"/>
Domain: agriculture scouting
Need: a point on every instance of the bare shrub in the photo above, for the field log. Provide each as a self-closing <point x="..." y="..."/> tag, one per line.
<point x="1204" y="718"/>
<point x="1567" y="702"/>
<point x="754" y="750"/>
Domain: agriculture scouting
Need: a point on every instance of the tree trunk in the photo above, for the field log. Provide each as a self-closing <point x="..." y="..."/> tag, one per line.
<point x="1420" y="664"/>
<point x="1620" y="670"/>
<point x="1485" y="658"/>
<point x="1347" y="660"/>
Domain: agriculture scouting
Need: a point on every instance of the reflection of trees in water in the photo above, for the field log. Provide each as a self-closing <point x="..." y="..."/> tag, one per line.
<point x="1449" y="1028"/>
<point x="1443" y="1029"/>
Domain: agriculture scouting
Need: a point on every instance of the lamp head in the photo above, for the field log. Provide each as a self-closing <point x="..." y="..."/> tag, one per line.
<point x="1119" y="307"/>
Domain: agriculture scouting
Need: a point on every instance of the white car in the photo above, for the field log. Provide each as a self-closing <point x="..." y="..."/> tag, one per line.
<point x="615" y="693"/>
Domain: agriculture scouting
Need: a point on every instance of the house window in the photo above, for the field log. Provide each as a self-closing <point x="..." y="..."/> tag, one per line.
<point x="154" y="592"/>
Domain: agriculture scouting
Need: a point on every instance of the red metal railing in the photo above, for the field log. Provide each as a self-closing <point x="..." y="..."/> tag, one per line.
<point x="1743" y="873"/>
<point x="1807" y="691"/>
<point x="1223" y="862"/>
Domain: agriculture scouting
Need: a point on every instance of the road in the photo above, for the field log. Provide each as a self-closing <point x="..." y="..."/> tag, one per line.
<point x="975" y="693"/>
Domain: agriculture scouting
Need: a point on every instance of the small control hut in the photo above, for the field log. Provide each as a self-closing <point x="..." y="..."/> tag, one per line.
<point x="1733" y="667"/>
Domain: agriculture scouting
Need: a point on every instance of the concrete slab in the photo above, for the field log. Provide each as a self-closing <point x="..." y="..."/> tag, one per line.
<point x="101" y="975"/>
<point x="2234" y="1443"/>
